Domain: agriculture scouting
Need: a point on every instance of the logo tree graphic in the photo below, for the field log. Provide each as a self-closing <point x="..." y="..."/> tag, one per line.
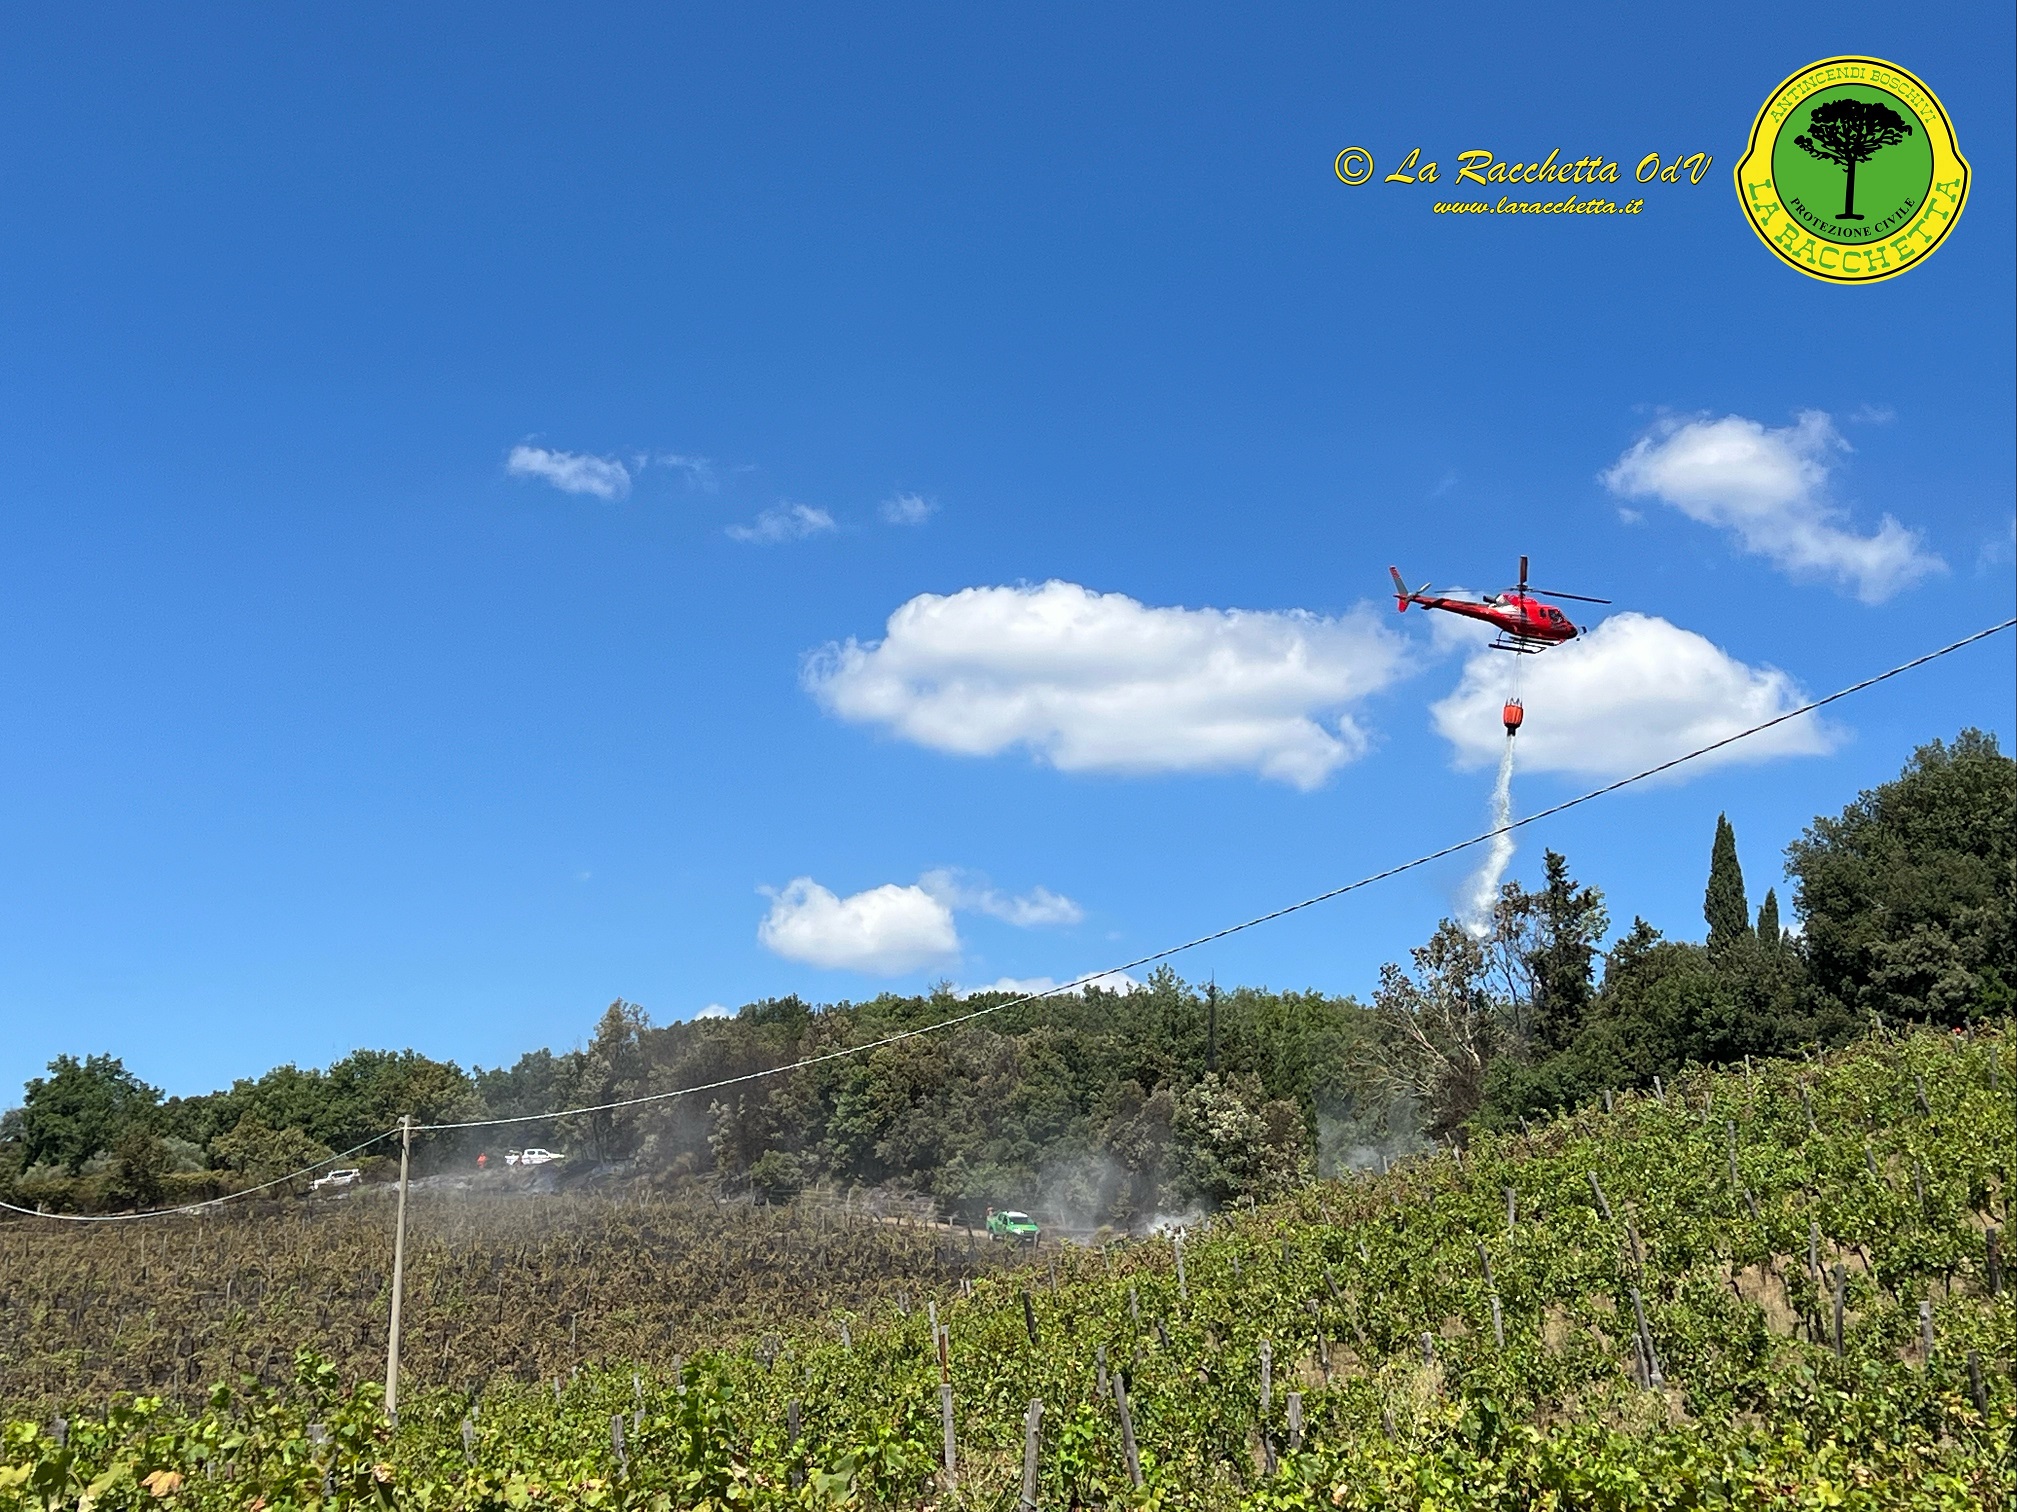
<point x="1848" y="132"/>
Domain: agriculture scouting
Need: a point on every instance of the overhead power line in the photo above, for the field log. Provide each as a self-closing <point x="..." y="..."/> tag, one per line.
<point x="1078" y="983"/>
<point x="1233" y="929"/>
<point x="208" y="1202"/>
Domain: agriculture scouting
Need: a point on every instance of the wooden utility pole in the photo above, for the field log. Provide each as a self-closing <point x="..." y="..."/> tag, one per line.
<point x="1212" y="1025"/>
<point x="398" y="1270"/>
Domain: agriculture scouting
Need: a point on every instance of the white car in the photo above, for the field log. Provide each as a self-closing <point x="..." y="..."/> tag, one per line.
<point x="530" y="1157"/>
<point x="341" y="1178"/>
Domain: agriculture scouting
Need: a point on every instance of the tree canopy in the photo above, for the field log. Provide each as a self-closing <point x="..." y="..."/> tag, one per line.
<point x="1113" y="1107"/>
<point x="1907" y="894"/>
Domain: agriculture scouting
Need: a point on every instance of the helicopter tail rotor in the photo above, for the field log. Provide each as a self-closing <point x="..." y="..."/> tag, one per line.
<point x="1403" y="595"/>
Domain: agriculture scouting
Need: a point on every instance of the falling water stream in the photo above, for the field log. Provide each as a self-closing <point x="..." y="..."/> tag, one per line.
<point x="1482" y="893"/>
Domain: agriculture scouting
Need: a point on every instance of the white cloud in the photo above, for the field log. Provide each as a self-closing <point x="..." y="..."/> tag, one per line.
<point x="1770" y="488"/>
<point x="967" y="893"/>
<point x="715" y="1010"/>
<point x="1097" y="682"/>
<point x="892" y="929"/>
<point x="570" y="472"/>
<point x="783" y="522"/>
<point x="698" y="471"/>
<point x="908" y="509"/>
<point x="1633" y="692"/>
<point x="885" y="931"/>
<point x="1106" y="981"/>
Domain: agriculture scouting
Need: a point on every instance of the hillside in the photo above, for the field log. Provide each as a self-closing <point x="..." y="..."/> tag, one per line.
<point x="1117" y="1107"/>
<point x="1637" y="1307"/>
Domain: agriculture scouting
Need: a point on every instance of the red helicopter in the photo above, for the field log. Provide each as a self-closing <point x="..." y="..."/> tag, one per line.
<point x="1526" y="626"/>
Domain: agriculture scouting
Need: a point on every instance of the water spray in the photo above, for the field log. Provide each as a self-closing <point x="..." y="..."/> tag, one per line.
<point x="1483" y="897"/>
<point x="1483" y="893"/>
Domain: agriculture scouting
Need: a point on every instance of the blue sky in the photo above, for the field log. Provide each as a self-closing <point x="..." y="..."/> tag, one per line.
<point x="463" y="465"/>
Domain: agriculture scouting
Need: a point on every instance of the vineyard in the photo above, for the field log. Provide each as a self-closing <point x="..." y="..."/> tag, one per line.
<point x="496" y="1287"/>
<point x="1778" y="1286"/>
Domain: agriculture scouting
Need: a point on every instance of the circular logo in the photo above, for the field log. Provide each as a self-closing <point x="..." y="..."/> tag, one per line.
<point x="1852" y="173"/>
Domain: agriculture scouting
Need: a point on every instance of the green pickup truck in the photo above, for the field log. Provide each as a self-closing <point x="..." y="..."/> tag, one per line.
<point x="1010" y="1224"/>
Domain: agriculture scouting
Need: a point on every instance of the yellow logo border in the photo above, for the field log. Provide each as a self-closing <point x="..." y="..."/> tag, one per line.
<point x="1899" y="254"/>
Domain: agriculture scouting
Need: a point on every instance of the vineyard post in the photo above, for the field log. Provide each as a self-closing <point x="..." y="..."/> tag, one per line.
<point x="1995" y="1263"/>
<point x="1602" y="1206"/>
<point x="398" y="1271"/>
<point x="1659" y="1092"/>
<point x="1030" y="1318"/>
<point x="942" y="1336"/>
<point x="1032" y="1430"/>
<point x="1267" y="1375"/>
<point x="1841" y="1285"/>
<point x="1926" y="1331"/>
<point x="1127" y="1431"/>
<point x="1295" y="1421"/>
<point x="1183" y="1291"/>
<point x="791" y="1432"/>
<point x="1976" y="1391"/>
<point x="1512" y="1209"/>
<point x="1100" y="1362"/>
<point x="1654" y="1378"/>
<point x="1498" y="1322"/>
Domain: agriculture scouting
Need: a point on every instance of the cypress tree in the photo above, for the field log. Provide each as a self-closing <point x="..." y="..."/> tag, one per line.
<point x="1768" y="920"/>
<point x="1724" y="905"/>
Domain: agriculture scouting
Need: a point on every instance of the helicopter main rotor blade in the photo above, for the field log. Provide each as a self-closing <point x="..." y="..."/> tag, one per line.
<point x="1581" y="598"/>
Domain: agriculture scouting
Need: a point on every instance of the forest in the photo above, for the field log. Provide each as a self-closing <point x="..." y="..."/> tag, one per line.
<point x="1114" y="1109"/>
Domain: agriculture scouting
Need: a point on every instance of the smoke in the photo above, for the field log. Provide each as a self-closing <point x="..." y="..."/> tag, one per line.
<point x="1081" y="1190"/>
<point x="1481" y="894"/>
<point x="1355" y="1134"/>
